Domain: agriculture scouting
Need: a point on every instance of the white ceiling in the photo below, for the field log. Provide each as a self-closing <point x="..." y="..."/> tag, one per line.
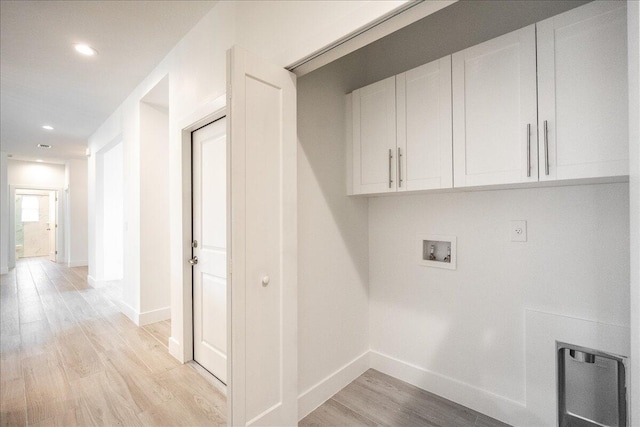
<point x="44" y="81"/>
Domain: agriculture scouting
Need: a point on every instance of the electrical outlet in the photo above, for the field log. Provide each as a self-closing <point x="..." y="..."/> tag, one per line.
<point x="519" y="231"/>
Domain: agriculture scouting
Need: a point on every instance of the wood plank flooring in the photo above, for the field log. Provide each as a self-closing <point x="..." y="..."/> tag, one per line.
<point x="376" y="399"/>
<point x="161" y="331"/>
<point x="68" y="357"/>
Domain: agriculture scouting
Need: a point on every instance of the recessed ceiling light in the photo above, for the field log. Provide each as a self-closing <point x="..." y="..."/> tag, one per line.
<point x="85" y="49"/>
<point x="47" y="127"/>
<point x="39" y="160"/>
<point x="44" y="146"/>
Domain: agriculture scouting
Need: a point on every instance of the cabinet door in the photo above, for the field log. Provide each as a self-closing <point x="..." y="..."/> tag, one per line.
<point x="494" y="111"/>
<point x="582" y="82"/>
<point x="374" y="138"/>
<point x="424" y="134"/>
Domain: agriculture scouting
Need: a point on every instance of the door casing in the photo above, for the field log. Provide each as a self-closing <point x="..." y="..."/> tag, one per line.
<point x="53" y="233"/>
<point x="181" y="340"/>
<point x="60" y="239"/>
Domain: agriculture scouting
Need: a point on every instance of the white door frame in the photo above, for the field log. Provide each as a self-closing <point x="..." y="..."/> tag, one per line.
<point x="60" y="235"/>
<point x="98" y="273"/>
<point x="181" y="340"/>
<point x="53" y="220"/>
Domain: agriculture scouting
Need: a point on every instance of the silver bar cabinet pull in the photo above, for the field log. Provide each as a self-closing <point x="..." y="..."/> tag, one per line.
<point x="399" y="167"/>
<point x="390" y="166"/>
<point x="546" y="148"/>
<point x="528" y="150"/>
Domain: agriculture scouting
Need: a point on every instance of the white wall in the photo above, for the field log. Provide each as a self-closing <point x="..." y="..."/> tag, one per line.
<point x="467" y="325"/>
<point x="4" y="215"/>
<point x="333" y="274"/>
<point x="72" y="218"/>
<point x="77" y="212"/>
<point x="633" y="25"/>
<point x="284" y="31"/>
<point x="35" y="175"/>
<point x="113" y="187"/>
<point x="335" y="232"/>
<point x="155" y="292"/>
<point x="197" y="76"/>
<point x="25" y="174"/>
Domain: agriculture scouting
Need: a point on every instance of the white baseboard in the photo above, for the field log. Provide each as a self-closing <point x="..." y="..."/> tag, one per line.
<point x="153" y="316"/>
<point x="175" y="349"/>
<point x="488" y="403"/>
<point x="130" y="312"/>
<point x="483" y="401"/>
<point x="322" y="391"/>
<point x="77" y="263"/>
<point x="92" y="281"/>
<point x="146" y="317"/>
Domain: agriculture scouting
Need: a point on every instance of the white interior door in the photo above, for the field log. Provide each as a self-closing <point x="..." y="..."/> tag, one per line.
<point x="52" y="225"/>
<point x="262" y="124"/>
<point x="210" y="232"/>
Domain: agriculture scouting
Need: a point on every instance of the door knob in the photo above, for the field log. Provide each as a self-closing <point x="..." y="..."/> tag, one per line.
<point x="265" y="280"/>
<point x="194" y="260"/>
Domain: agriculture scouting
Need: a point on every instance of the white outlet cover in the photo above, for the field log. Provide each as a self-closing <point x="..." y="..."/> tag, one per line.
<point x="519" y="231"/>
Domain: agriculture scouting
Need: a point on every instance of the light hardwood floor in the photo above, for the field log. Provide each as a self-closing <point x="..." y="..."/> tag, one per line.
<point x="161" y="331"/>
<point x="376" y="399"/>
<point x="69" y="357"/>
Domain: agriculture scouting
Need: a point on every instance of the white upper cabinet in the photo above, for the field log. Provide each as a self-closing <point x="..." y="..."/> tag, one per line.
<point x="544" y="103"/>
<point x="374" y="137"/>
<point x="494" y="111"/>
<point x="424" y="150"/>
<point x="402" y="131"/>
<point x="582" y="85"/>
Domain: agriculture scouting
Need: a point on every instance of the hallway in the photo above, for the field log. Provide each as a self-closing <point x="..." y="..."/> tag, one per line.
<point x="69" y="357"/>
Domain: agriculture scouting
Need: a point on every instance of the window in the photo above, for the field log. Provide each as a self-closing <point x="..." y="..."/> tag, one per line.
<point x="30" y="209"/>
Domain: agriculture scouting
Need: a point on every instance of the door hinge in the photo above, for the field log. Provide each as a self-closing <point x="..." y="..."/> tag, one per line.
<point x="194" y="244"/>
<point x="56" y="252"/>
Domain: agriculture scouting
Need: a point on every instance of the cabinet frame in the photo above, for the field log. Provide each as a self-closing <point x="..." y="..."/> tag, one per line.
<point x="385" y="159"/>
<point x="592" y="16"/>
<point x="481" y="92"/>
<point x="527" y="171"/>
<point x="441" y="141"/>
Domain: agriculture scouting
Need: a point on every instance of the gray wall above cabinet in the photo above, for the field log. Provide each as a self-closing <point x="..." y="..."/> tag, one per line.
<point x="454" y="28"/>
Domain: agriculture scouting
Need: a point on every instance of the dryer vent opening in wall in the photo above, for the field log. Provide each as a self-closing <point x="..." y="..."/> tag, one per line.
<point x="591" y="387"/>
<point x="438" y="251"/>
